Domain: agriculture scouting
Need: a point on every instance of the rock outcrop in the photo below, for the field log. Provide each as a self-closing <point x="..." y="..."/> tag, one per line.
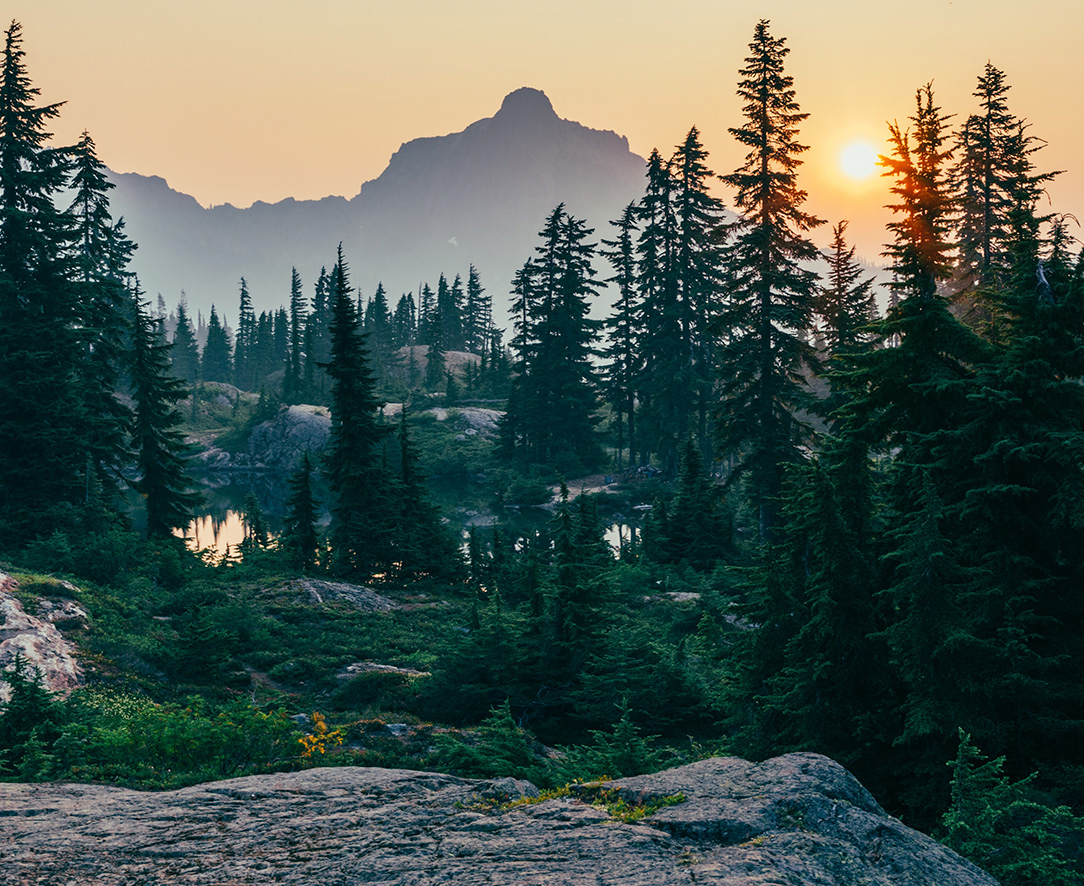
<point x="36" y="639"/>
<point x="365" y="599"/>
<point x="798" y="819"/>
<point x="277" y="445"/>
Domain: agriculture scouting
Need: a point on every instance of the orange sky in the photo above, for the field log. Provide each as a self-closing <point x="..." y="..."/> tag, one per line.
<point x="243" y="100"/>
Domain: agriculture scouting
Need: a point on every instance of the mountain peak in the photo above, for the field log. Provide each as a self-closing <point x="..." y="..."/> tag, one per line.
<point x="526" y="104"/>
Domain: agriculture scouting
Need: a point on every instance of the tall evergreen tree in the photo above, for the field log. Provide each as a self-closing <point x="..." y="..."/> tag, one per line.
<point x="424" y="546"/>
<point x="44" y="425"/>
<point x="292" y="379"/>
<point x="184" y="355"/>
<point x="101" y="252"/>
<point x="451" y="315"/>
<point x="161" y="449"/>
<point x="244" y="342"/>
<point x="764" y="351"/>
<point x="404" y="322"/>
<point x="550" y="411"/>
<point x="317" y="340"/>
<point x="846" y="304"/>
<point x="477" y="315"/>
<point x="217" y="362"/>
<point x="625" y="331"/>
<point x="362" y="534"/>
<point x="300" y="536"/>
<point x="664" y="389"/>
<point x="997" y="191"/>
<point x="846" y="307"/>
<point x="698" y="269"/>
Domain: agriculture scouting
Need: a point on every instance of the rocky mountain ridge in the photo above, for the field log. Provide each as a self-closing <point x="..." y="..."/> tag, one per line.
<point x="798" y="819"/>
<point x="476" y="196"/>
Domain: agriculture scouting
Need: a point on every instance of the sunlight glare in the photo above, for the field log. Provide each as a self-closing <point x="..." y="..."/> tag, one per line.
<point x="858" y="160"/>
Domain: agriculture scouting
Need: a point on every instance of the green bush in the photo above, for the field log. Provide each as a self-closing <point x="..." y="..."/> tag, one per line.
<point x="1003" y="829"/>
<point x="127" y="739"/>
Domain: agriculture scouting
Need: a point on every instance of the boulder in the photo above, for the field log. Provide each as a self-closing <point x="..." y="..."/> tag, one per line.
<point x="365" y="599"/>
<point x="37" y="639"/>
<point x="280" y="443"/>
<point x="799" y="819"/>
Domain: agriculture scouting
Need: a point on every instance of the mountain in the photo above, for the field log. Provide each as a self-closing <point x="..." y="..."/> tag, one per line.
<point x="477" y="196"/>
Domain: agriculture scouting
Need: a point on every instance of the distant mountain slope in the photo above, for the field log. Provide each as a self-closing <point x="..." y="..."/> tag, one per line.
<point x="478" y="196"/>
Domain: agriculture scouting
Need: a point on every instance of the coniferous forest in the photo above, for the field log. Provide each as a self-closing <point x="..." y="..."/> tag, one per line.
<point x="864" y="503"/>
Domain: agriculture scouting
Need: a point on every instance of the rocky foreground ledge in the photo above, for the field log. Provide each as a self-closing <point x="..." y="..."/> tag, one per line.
<point x="798" y="819"/>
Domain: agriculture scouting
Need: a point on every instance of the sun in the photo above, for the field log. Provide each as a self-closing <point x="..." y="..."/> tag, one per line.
<point x="858" y="160"/>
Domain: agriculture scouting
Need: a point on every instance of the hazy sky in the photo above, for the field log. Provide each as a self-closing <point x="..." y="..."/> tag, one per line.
<point x="243" y="100"/>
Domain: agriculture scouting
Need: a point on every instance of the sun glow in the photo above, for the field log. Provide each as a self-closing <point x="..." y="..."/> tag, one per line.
<point x="858" y="160"/>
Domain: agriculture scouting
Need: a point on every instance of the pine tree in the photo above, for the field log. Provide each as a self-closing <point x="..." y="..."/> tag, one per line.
<point x="578" y="582"/>
<point x="317" y="340"/>
<point x="664" y="388"/>
<point x="424" y="546"/>
<point x="1009" y="473"/>
<point x="184" y="355"/>
<point x="217" y="359"/>
<point x="378" y="328"/>
<point x="764" y="352"/>
<point x="300" y="537"/>
<point x="361" y="528"/>
<point x="101" y="254"/>
<point x="550" y="410"/>
<point x="846" y="307"/>
<point x="403" y="322"/>
<point x="1003" y="828"/>
<point x="254" y="522"/>
<point x="292" y="379"/>
<point x="624" y="331"/>
<point x="997" y="191"/>
<point x="434" y="357"/>
<point x="846" y="304"/>
<point x="913" y="389"/>
<point x="44" y="425"/>
<point x="244" y="343"/>
<point x="451" y="315"/>
<point x="477" y="315"/>
<point x="161" y="448"/>
<point x="698" y="269"/>
<point x="697" y="530"/>
<point x="426" y="307"/>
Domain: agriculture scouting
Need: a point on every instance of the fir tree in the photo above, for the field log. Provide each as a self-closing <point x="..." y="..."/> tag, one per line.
<point x="846" y="305"/>
<point x="624" y="331"/>
<point x="550" y="411"/>
<point x="217" y="360"/>
<point x="160" y="447"/>
<point x="101" y="254"/>
<point x="664" y="388"/>
<point x="764" y="351"/>
<point x="184" y="355"/>
<point x="996" y="192"/>
<point x="361" y="531"/>
<point x="698" y="269"/>
<point x="403" y="322"/>
<point x="477" y="315"/>
<point x="244" y="343"/>
<point x="292" y="379"/>
<point x="44" y="425"/>
<point x="300" y="537"/>
<point x="317" y="341"/>
<point x="424" y="545"/>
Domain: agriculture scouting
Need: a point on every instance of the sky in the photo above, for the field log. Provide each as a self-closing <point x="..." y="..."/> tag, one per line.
<point x="243" y="100"/>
